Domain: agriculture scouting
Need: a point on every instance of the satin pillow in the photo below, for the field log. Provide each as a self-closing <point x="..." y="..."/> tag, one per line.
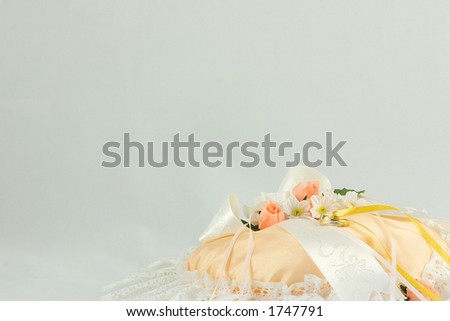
<point x="278" y="257"/>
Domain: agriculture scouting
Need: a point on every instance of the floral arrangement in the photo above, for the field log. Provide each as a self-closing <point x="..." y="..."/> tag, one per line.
<point x="304" y="200"/>
<point x="309" y="200"/>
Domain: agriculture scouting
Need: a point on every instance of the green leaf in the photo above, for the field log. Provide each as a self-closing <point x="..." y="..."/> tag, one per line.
<point x="344" y="191"/>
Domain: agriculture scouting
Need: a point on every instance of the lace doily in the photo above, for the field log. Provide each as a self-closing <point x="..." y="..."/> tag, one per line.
<point x="169" y="279"/>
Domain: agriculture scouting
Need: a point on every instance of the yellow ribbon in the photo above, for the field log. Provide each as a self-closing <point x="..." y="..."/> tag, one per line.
<point x="419" y="286"/>
<point x="363" y="210"/>
<point x="338" y="218"/>
<point x="430" y="240"/>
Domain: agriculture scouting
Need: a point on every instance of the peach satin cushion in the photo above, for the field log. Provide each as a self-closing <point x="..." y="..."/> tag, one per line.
<point x="278" y="257"/>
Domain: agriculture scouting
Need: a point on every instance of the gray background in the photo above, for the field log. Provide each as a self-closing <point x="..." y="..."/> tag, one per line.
<point x="76" y="74"/>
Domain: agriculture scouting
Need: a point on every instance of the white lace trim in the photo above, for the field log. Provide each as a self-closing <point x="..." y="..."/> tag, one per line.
<point x="437" y="271"/>
<point x="169" y="279"/>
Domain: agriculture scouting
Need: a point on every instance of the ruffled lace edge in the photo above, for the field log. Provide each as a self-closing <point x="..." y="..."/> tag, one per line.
<point x="437" y="272"/>
<point x="169" y="279"/>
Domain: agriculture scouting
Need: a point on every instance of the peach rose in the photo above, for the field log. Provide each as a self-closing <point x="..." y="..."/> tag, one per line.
<point x="270" y="214"/>
<point x="304" y="191"/>
<point x="412" y="297"/>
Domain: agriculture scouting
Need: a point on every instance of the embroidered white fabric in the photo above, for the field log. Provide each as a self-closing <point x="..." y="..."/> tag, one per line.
<point x="169" y="279"/>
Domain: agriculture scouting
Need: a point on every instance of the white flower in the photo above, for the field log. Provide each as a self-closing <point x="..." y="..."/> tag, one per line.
<point x="324" y="205"/>
<point x="352" y="199"/>
<point x="295" y="209"/>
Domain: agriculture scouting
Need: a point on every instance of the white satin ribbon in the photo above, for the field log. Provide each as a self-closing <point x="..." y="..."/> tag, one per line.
<point x="387" y="265"/>
<point x="303" y="174"/>
<point x="226" y="219"/>
<point x="350" y="269"/>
